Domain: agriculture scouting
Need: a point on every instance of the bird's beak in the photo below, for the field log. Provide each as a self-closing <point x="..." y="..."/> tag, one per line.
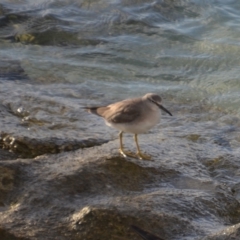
<point x="164" y="109"/>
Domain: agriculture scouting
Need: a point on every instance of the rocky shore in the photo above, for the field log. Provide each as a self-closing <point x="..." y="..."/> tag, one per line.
<point x="94" y="193"/>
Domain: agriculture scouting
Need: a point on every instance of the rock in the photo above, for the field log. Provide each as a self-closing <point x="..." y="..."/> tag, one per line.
<point x="6" y="182"/>
<point x="144" y="234"/>
<point x="26" y="147"/>
<point x="228" y="233"/>
<point x="8" y="236"/>
<point x="96" y="194"/>
<point x="7" y="155"/>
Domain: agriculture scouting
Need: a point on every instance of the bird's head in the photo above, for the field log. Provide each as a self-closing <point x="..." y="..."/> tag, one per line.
<point x="157" y="100"/>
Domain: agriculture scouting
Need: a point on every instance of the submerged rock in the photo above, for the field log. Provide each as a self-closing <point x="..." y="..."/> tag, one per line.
<point x="12" y="70"/>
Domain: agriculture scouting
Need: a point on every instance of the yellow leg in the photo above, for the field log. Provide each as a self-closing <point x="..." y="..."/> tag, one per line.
<point x="121" y="149"/>
<point x="139" y="153"/>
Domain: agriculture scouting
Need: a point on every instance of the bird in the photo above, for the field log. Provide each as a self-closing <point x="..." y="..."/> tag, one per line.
<point x="135" y="115"/>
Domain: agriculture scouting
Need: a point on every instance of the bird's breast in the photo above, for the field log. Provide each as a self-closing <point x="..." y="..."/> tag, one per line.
<point x="140" y="125"/>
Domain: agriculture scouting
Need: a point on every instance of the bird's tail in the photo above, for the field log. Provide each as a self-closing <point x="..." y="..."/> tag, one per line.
<point x="90" y="109"/>
<point x="93" y="110"/>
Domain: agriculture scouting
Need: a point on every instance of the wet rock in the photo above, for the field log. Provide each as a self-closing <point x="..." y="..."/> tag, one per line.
<point x="26" y="147"/>
<point x="228" y="233"/>
<point x="5" y="235"/>
<point x="6" y="155"/>
<point x="101" y="223"/>
<point x="125" y="176"/>
<point x="144" y="234"/>
<point x="6" y="183"/>
<point x="94" y="193"/>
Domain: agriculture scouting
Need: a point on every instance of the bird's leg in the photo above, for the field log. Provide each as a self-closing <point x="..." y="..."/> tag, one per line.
<point x="139" y="153"/>
<point x="121" y="150"/>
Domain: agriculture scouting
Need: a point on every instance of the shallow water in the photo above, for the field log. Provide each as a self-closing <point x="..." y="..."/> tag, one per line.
<point x="57" y="56"/>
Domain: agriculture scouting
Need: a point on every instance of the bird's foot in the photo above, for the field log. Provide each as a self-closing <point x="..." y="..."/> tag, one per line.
<point x="127" y="153"/>
<point x="143" y="156"/>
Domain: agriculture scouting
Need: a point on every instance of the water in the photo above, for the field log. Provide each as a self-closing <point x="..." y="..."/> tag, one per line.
<point x="56" y="56"/>
<point x="68" y="51"/>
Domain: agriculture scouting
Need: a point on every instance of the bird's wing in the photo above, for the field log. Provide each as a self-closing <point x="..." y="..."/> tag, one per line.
<point x="122" y="112"/>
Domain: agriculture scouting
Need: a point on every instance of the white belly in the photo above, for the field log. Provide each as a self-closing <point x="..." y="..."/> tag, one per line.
<point x="140" y="125"/>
